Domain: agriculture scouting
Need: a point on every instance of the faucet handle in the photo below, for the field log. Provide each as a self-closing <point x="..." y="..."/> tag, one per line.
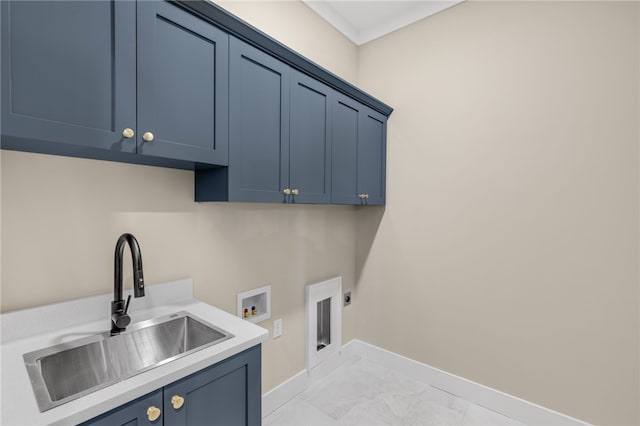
<point x="121" y="321"/>
<point x="119" y="318"/>
<point x="126" y="307"/>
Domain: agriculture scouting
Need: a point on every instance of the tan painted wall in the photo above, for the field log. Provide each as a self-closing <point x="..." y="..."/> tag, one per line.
<point x="508" y="251"/>
<point x="61" y="218"/>
<point x="509" y="245"/>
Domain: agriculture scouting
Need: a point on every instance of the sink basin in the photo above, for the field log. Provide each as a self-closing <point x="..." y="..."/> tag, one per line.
<point x="68" y="371"/>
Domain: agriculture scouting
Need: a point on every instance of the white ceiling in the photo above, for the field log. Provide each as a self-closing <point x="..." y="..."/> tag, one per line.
<point x="365" y="20"/>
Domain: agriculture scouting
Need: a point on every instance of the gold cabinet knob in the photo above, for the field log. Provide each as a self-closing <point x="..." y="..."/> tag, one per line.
<point x="148" y="136"/>
<point x="128" y="133"/>
<point x="153" y="413"/>
<point x="366" y="196"/>
<point x="295" y="191"/>
<point x="177" y="401"/>
<point x="286" y="191"/>
<point x="361" y="196"/>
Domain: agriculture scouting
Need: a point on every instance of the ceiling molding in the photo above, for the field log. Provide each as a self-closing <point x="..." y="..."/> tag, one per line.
<point x="364" y="20"/>
<point x="334" y="18"/>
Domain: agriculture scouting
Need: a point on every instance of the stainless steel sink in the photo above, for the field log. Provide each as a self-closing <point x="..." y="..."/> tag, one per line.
<point x="68" y="371"/>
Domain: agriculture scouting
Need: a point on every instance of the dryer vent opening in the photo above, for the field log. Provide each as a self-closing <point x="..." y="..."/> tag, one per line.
<point x="323" y="324"/>
<point x="324" y="321"/>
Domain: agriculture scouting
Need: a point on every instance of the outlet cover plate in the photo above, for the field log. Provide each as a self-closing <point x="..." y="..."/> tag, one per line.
<point x="277" y="328"/>
<point x="347" y="298"/>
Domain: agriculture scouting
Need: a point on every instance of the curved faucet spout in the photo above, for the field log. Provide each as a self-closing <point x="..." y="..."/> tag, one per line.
<point x="119" y="317"/>
<point x="136" y="258"/>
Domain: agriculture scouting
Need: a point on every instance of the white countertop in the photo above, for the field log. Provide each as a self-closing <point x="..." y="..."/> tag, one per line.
<point x="33" y="329"/>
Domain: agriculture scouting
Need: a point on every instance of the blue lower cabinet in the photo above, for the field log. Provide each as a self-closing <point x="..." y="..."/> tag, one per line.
<point x="227" y="393"/>
<point x="143" y="411"/>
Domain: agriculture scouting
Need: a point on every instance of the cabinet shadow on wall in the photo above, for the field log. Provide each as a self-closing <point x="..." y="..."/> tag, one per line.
<point x="368" y="222"/>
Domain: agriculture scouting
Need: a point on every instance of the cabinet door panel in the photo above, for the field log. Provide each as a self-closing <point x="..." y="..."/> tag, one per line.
<point x="344" y="176"/>
<point x="226" y="394"/>
<point x="68" y="73"/>
<point x="133" y="413"/>
<point x="258" y="125"/>
<point x="310" y="139"/>
<point x="372" y="156"/>
<point x="182" y="85"/>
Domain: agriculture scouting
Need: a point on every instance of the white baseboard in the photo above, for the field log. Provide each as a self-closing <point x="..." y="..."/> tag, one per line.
<point x="284" y="392"/>
<point x="518" y="409"/>
<point x="511" y="406"/>
<point x="295" y="385"/>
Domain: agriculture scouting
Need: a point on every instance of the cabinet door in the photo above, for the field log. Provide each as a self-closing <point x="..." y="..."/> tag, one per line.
<point x="372" y="156"/>
<point x="310" y="140"/>
<point x="182" y="85"/>
<point x="68" y="75"/>
<point x="226" y="394"/>
<point x="133" y="413"/>
<point x="258" y="125"/>
<point x="359" y="153"/>
<point x="344" y="173"/>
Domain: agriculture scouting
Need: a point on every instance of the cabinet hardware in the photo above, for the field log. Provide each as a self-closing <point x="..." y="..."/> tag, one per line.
<point x="148" y="136"/>
<point x="153" y="413"/>
<point x="295" y="192"/>
<point x="177" y="401"/>
<point x="286" y="191"/>
<point x="128" y="133"/>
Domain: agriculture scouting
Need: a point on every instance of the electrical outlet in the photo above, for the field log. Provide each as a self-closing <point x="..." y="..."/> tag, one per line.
<point x="347" y="298"/>
<point x="277" y="328"/>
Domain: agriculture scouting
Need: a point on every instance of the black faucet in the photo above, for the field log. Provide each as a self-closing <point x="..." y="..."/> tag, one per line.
<point x="119" y="318"/>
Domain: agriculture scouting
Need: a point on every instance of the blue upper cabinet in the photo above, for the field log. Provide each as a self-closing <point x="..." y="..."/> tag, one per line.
<point x="310" y="140"/>
<point x="185" y="84"/>
<point x="372" y="156"/>
<point x="359" y="153"/>
<point x="108" y="79"/>
<point x="258" y="125"/>
<point x="183" y="78"/>
<point x="68" y="74"/>
<point x="279" y="134"/>
<point x="344" y="175"/>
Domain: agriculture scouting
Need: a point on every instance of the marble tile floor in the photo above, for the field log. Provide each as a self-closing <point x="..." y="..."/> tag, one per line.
<point x="365" y="393"/>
